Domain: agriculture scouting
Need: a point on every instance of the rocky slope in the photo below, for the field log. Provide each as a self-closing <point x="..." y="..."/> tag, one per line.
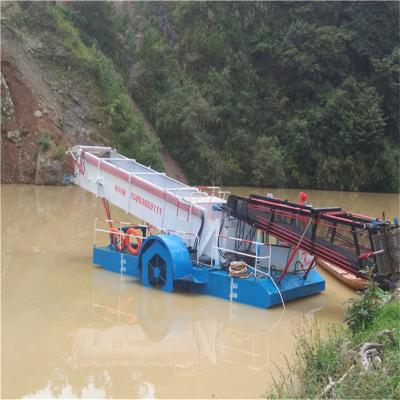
<point x="45" y="106"/>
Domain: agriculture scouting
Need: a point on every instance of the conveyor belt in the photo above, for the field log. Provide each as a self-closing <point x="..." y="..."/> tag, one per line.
<point x="343" y="239"/>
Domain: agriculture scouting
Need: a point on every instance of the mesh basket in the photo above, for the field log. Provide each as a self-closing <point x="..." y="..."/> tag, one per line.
<point x="387" y="240"/>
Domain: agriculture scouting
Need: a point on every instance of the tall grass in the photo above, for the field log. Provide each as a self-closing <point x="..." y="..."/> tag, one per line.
<point x="334" y="358"/>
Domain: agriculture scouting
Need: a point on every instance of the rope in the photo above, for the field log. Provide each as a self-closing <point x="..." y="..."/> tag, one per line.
<point x="238" y="269"/>
<point x="279" y="292"/>
<point x="276" y="287"/>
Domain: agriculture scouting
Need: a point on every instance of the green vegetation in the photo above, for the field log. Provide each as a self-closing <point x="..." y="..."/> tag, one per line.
<point x="59" y="152"/>
<point x="363" y="309"/>
<point x="298" y="94"/>
<point x="44" y="141"/>
<point x="122" y="126"/>
<point x="320" y="361"/>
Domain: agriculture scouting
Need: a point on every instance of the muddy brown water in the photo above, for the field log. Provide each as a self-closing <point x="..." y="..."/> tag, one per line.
<point x="70" y="329"/>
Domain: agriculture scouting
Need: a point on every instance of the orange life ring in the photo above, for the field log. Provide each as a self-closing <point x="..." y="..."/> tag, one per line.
<point x="134" y="247"/>
<point x="117" y="240"/>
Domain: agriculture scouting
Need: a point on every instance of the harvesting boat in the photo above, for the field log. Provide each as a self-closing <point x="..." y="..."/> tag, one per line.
<point x="254" y="250"/>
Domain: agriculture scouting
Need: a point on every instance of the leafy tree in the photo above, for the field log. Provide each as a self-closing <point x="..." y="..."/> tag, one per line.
<point x="308" y="91"/>
<point x="386" y="80"/>
<point x="268" y="169"/>
<point x="96" y="19"/>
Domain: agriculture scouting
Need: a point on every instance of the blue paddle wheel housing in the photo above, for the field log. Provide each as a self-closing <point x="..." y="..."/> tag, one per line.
<point x="162" y="260"/>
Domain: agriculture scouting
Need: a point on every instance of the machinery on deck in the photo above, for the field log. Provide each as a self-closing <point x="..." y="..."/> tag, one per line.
<point x="245" y="249"/>
<point x="354" y="243"/>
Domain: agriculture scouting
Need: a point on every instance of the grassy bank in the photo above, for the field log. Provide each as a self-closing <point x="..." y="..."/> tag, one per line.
<point x="331" y="366"/>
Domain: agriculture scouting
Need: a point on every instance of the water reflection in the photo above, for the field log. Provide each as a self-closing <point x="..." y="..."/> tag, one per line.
<point x="143" y="338"/>
<point x="70" y="329"/>
<point x="150" y="328"/>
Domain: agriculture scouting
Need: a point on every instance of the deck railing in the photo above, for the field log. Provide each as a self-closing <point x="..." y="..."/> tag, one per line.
<point x="257" y="256"/>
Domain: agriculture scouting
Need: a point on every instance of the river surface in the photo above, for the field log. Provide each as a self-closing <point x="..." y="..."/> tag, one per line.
<point x="70" y="329"/>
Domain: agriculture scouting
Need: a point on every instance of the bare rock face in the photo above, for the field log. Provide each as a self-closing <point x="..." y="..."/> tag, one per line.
<point x="59" y="52"/>
<point x="49" y="171"/>
<point x="7" y="102"/>
<point x="14" y="136"/>
<point x="42" y="96"/>
<point x="34" y="68"/>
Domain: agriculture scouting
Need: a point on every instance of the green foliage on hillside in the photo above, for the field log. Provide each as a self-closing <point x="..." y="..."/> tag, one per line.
<point x="123" y="128"/>
<point x="300" y="94"/>
<point x="297" y="94"/>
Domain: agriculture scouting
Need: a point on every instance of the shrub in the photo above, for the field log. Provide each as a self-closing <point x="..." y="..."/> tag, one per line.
<point x="59" y="152"/>
<point x="268" y="167"/>
<point x="44" y="141"/>
<point x="363" y="309"/>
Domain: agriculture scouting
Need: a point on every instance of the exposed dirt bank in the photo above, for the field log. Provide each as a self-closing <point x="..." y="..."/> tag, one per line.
<point x="27" y="124"/>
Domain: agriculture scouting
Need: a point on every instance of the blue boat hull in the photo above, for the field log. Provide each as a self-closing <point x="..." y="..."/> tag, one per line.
<point x="260" y="292"/>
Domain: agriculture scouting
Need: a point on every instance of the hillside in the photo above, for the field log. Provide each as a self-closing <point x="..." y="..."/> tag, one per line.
<point x="275" y="93"/>
<point x="57" y="92"/>
<point x="243" y="93"/>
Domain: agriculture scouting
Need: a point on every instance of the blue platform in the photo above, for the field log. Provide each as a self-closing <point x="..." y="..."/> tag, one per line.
<point x="164" y="261"/>
<point x="116" y="261"/>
